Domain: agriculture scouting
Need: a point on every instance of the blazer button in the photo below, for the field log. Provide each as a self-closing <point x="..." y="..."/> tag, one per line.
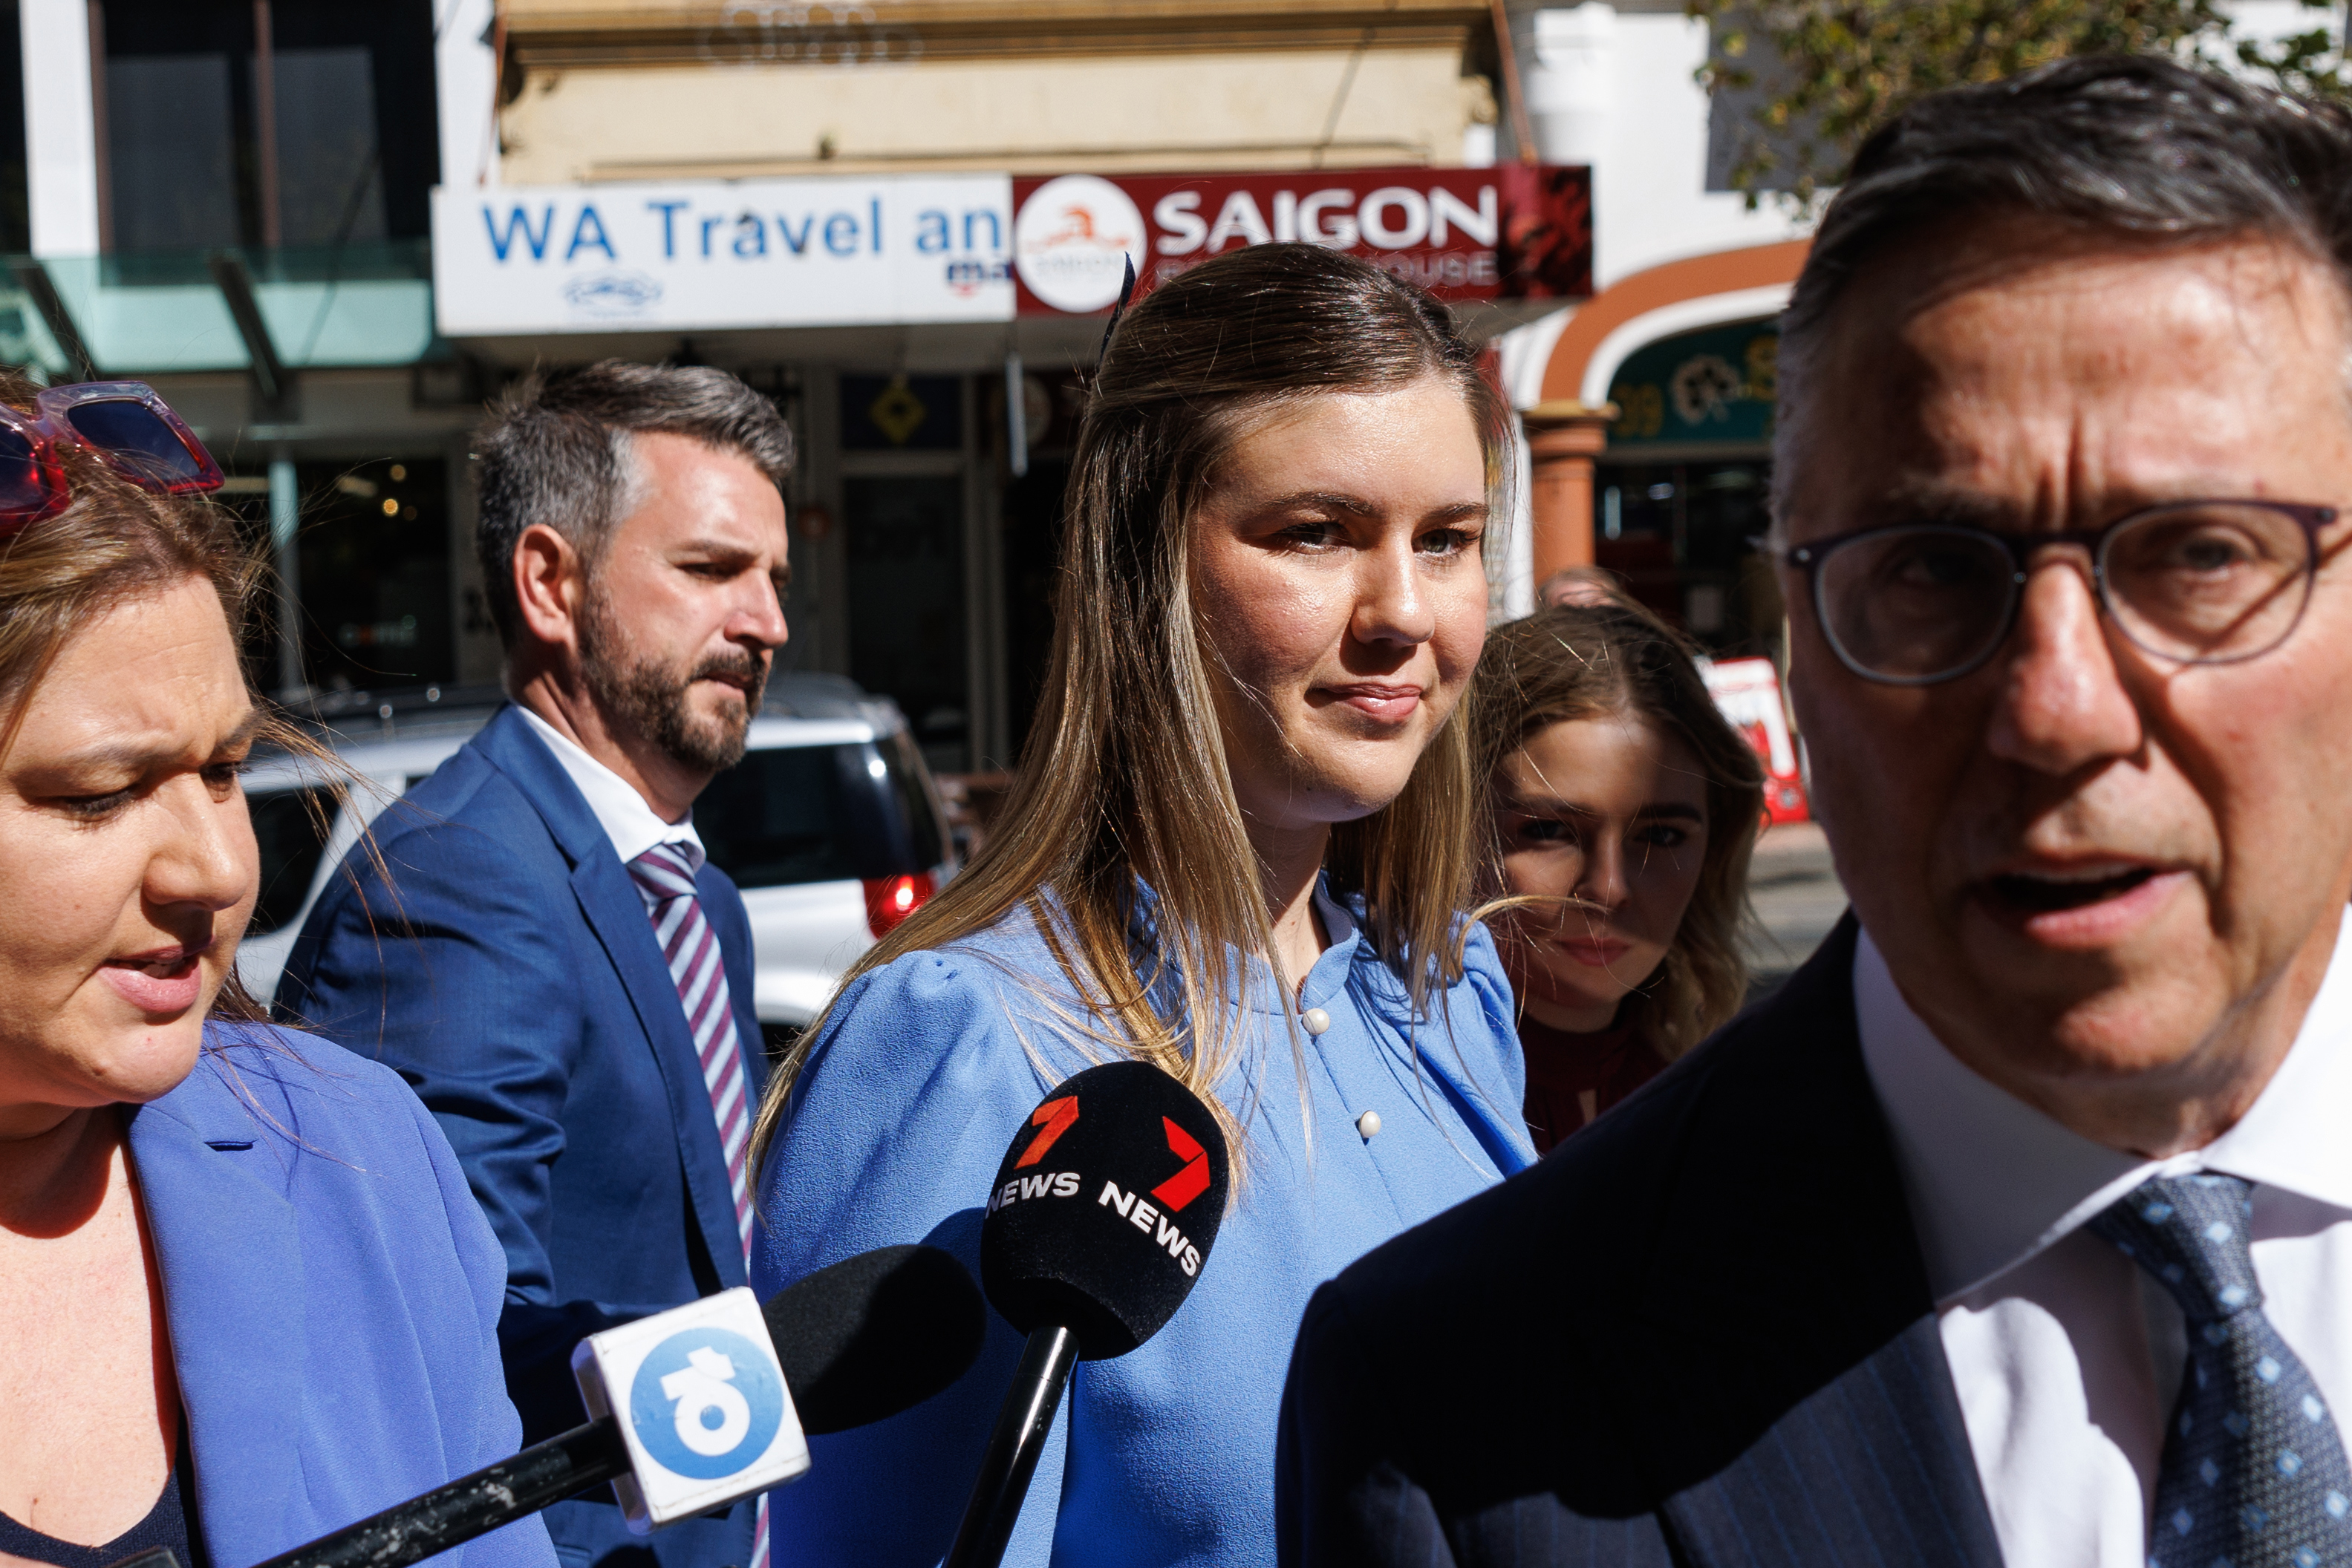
<point x="1368" y="1125"/>
<point x="1316" y="1021"/>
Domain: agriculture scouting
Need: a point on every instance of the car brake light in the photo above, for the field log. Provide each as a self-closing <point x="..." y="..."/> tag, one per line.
<point x="890" y="899"/>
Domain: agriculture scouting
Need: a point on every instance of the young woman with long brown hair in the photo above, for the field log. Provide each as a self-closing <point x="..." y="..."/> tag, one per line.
<point x="1237" y="848"/>
<point x="1626" y="807"/>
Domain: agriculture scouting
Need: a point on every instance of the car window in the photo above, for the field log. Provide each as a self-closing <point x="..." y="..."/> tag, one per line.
<point x="290" y="825"/>
<point x="813" y="813"/>
<point x="927" y="834"/>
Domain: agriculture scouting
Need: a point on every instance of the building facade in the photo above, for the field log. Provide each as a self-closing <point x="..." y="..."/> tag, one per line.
<point x="327" y="232"/>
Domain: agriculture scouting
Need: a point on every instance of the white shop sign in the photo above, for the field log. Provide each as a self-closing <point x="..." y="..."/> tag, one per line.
<point x="698" y="255"/>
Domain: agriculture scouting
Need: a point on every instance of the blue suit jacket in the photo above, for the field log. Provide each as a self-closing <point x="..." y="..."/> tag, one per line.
<point x="332" y="1294"/>
<point x="1698" y="1333"/>
<point x="510" y="974"/>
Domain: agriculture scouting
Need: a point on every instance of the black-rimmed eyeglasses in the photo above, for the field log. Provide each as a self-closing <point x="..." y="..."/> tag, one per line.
<point x="2204" y="582"/>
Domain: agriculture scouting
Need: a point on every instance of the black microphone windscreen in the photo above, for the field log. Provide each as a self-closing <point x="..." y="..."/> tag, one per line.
<point x="871" y="1335"/>
<point x="1105" y="1208"/>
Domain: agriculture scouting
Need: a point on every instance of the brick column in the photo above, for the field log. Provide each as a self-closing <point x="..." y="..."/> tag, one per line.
<point x="1564" y="438"/>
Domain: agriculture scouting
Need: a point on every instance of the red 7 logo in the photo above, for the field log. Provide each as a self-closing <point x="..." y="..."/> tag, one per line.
<point x="1194" y="1179"/>
<point x="1055" y="1116"/>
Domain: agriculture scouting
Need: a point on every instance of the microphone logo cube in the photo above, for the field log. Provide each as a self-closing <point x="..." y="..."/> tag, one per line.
<point x="702" y="1405"/>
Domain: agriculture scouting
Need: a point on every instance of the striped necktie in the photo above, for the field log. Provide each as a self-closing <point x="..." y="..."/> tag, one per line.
<point x="664" y="876"/>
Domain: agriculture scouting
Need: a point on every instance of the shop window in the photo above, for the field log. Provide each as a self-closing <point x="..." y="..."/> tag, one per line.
<point x="904" y="537"/>
<point x="901" y="414"/>
<point x="352" y="91"/>
<point x="16" y="226"/>
<point x="1680" y="535"/>
<point x="373" y="573"/>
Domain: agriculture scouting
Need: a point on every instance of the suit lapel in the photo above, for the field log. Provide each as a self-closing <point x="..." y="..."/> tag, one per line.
<point x="1804" y="1410"/>
<point x="615" y="913"/>
<point x="229" y="1252"/>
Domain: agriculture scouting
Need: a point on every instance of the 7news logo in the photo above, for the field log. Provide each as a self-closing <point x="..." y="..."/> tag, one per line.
<point x="1056" y="1117"/>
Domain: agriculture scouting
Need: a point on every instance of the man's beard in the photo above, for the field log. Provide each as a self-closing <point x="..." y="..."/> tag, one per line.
<point x="649" y="698"/>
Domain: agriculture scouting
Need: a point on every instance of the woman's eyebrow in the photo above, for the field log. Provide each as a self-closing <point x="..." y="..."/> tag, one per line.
<point x="1333" y="499"/>
<point x="1680" y="810"/>
<point x="243" y="732"/>
<point x="1522" y="800"/>
<point x="141" y="756"/>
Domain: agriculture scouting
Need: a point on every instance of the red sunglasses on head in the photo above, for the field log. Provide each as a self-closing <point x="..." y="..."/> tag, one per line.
<point x="124" y="423"/>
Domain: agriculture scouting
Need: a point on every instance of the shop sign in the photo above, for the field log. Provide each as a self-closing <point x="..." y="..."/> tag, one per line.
<point x="1718" y="385"/>
<point x="1509" y="232"/>
<point x="696" y="256"/>
<point x="1747" y="693"/>
<point x="692" y="256"/>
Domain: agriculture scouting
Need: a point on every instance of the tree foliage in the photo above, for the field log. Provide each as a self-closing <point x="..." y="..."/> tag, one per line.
<point x="1820" y="75"/>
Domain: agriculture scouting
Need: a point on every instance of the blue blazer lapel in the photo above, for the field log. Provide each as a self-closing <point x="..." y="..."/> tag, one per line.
<point x="229" y="1252"/>
<point x="615" y="911"/>
<point x="1806" y="1417"/>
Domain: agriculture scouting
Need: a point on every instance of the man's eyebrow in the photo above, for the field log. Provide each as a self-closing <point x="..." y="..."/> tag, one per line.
<point x="1922" y="500"/>
<point x="1926" y="500"/>
<point x="710" y="544"/>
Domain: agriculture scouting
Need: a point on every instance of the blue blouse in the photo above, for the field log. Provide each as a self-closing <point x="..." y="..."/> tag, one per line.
<point x="332" y="1291"/>
<point x="926" y="1070"/>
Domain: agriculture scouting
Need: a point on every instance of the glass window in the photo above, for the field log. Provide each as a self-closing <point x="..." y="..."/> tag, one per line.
<point x="350" y="93"/>
<point x="290" y="825"/>
<point x="818" y="813"/>
<point x="905" y="542"/>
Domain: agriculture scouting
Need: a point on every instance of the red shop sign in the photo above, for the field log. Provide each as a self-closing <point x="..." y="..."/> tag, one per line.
<point x="1512" y="232"/>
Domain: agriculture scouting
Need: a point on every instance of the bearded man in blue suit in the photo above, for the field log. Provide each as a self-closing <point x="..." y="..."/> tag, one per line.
<point x="535" y="941"/>
<point x="2016" y="1226"/>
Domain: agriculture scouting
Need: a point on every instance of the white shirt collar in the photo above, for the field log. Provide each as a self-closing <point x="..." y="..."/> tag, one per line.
<point x="620" y="811"/>
<point x="1992" y="1181"/>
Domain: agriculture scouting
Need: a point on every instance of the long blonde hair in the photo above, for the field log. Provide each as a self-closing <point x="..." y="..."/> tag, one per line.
<point x="1577" y="662"/>
<point x="1124" y="775"/>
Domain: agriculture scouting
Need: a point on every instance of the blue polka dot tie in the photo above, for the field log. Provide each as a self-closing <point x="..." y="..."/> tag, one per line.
<point x="2253" y="1473"/>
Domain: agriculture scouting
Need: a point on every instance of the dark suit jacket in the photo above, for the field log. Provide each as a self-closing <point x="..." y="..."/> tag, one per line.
<point x="1697" y="1334"/>
<point x="510" y="974"/>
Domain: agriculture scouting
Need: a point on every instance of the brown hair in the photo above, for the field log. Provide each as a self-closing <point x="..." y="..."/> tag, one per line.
<point x="558" y="448"/>
<point x="1575" y="662"/>
<point x="113" y="543"/>
<point x="1123" y="774"/>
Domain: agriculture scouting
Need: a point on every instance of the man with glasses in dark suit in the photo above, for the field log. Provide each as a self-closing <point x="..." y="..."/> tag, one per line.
<point x="2017" y="1228"/>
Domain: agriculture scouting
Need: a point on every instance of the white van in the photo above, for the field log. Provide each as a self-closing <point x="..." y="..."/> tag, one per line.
<point x="831" y="825"/>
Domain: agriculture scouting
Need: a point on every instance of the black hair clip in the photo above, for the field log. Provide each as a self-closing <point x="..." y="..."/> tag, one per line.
<point x="1126" y="293"/>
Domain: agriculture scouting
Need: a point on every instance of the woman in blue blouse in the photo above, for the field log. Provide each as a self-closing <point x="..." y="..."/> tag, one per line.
<point x="246" y="1298"/>
<point x="1237" y="848"/>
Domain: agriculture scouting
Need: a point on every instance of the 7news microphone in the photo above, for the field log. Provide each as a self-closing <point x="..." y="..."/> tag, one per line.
<point x="706" y="1404"/>
<point x="1097" y="1229"/>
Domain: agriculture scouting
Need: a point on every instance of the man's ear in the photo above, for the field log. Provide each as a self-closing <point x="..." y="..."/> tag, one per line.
<point x="550" y="585"/>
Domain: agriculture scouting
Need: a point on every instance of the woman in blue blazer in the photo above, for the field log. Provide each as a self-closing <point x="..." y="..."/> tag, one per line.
<point x="246" y="1297"/>
<point x="1238" y="847"/>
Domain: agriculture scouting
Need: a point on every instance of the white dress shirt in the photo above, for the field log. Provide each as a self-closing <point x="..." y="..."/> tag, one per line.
<point x="621" y="811"/>
<point x="2066" y="1356"/>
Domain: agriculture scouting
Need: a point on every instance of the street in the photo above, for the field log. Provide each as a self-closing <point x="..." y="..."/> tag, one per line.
<point x="1796" y="899"/>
